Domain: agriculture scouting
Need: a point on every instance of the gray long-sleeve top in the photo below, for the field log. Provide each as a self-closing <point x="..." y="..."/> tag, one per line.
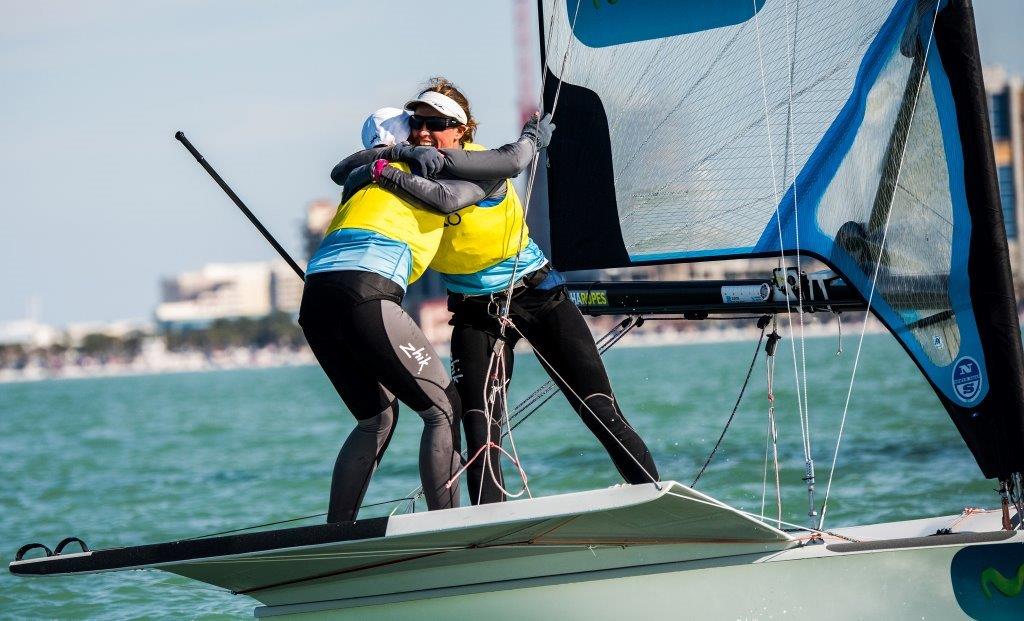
<point x="468" y="177"/>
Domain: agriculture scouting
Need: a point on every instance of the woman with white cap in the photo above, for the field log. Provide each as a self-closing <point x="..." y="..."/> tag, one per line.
<point x="485" y="248"/>
<point x="371" y="350"/>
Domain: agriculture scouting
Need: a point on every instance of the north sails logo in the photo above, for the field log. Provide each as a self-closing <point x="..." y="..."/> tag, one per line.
<point x="967" y="379"/>
<point x="417" y="354"/>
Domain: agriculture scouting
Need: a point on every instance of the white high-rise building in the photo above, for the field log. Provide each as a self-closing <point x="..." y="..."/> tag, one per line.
<point x="228" y="291"/>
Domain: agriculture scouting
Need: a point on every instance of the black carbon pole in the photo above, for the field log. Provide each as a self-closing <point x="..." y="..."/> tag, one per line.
<point x="234" y="197"/>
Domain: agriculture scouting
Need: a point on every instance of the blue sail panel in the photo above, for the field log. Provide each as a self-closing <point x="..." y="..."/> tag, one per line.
<point x="855" y="134"/>
<point x="893" y="167"/>
<point x="600" y="23"/>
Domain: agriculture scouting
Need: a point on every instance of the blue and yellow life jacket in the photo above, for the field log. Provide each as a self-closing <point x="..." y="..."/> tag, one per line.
<point x="375" y="209"/>
<point x="482" y="235"/>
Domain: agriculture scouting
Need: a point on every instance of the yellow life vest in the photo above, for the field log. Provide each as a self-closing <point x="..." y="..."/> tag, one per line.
<point x="478" y="237"/>
<point x="375" y="209"/>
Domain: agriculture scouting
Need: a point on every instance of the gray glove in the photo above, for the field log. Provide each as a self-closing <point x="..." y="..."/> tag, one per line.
<point x="359" y="178"/>
<point x="539" y="130"/>
<point x="425" y="161"/>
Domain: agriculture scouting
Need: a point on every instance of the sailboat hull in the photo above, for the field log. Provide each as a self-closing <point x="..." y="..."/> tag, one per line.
<point x="910" y="583"/>
<point x="663" y="551"/>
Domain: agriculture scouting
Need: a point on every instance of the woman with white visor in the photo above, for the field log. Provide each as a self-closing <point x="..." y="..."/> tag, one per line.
<point x="484" y="248"/>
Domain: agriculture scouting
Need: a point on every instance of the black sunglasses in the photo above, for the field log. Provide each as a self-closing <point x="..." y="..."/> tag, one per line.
<point x="432" y="123"/>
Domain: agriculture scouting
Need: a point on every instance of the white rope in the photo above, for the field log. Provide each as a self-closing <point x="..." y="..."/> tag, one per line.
<point x="754" y="516"/>
<point x="773" y="434"/>
<point x="778" y="223"/>
<point x="878" y="264"/>
<point x="764" y="479"/>
<point x="583" y="403"/>
<point x="497" y="394"/>
<point x="515" y="452"/>
<point x="501" y="391"/>
<point x="604" y="344"/>
<point x="791" y="52"/>
<point x="325" y="556"/>
<point x="546" y="391"/>
<point x="536" y="153"/>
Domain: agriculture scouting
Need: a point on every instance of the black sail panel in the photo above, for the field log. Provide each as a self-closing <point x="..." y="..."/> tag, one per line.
<point x="995" y="429"/>
<point x="582" y="158"/>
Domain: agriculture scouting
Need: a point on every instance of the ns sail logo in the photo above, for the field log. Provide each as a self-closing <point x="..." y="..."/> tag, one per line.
<point x="967" y="379"/>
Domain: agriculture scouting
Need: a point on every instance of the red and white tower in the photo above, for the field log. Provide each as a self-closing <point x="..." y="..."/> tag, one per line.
<point x="527" y="71"/>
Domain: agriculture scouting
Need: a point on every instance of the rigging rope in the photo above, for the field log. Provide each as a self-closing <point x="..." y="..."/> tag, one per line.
<point x="499" y="390"/>
<point x="546" y="391"/>
<point x="803" y="407"/>
<point x="806" y="418"/>
<point x="772" y="433"/>
<point x="536" y="152"/>
<point x="756" y="517"/>
<point x="495" y="396"/>
<point x="584" y="405"/>
<point x="878" y="264"/>
<point x="739" y="398"/>
<point x="294" y="519"/>
<point x="804" y="428"/>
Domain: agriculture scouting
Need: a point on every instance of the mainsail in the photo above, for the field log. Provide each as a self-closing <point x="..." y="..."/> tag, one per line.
<point x="855" y="133"/>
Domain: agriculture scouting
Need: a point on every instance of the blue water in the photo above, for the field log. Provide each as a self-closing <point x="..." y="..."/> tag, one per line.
<point x="135" y="460"/>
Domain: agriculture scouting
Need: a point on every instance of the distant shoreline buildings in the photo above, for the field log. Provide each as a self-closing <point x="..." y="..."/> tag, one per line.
<point x="1006" y="114"/>
<point x="194" y="300"/>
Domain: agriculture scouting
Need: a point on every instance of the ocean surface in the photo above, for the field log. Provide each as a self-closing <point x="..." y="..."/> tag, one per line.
<point x="134" y="460"/>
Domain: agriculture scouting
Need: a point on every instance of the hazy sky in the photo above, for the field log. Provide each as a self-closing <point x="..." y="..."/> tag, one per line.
<point x="97" y="199"/>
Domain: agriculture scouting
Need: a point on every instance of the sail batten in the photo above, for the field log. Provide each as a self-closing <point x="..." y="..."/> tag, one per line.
<point x="846" y="132"/>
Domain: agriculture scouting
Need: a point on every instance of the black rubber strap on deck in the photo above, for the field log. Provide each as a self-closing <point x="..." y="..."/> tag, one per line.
<point x="64" y="543"/>
<point x="30" y="546"/>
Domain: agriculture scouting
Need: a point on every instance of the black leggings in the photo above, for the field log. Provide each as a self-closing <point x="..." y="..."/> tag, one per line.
<point x="559" y="334"/>
<point x="373" y="352"/>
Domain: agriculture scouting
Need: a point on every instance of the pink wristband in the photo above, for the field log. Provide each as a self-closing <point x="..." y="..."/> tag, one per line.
<point x="377" y="169"/>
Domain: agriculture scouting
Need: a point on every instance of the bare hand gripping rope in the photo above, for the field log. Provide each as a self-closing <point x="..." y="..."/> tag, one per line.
<point x="180" y="136"/>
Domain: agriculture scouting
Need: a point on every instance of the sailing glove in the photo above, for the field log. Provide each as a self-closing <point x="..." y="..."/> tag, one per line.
<point x="428" y="160"/>
<point x="539" y="130"/>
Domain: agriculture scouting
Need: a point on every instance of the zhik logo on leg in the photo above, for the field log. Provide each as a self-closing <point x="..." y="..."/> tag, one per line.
<point x="455" y="372"/>
<point x="417" y="354"/>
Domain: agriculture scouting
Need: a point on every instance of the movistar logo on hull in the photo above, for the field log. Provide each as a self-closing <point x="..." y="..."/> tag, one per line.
<point x="988" y="580"/>
<point x="601" y="23"/>
<point x="992" y="580"/>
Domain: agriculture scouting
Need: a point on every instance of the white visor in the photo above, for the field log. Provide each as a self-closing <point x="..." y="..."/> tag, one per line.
<point x="442" y="103"/>
<point x="387" y="126"/>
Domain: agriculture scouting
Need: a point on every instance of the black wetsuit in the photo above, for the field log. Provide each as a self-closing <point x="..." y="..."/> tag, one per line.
<point x="373" y="352"/>
<point x="547" y="318"/>
<point x="555" y="328"/>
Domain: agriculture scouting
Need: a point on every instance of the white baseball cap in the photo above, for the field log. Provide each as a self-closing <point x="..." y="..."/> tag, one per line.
<point x="387" y="126"/>
<point x="442" y="103"/>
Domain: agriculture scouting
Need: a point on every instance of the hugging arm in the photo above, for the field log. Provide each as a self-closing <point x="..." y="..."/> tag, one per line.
<point x="444" y="196"/>
<point x="478" y="174"/>
<point x="506" y="161"/>
<point x="350" y="163"/>
<point x="502" y="163"/>
<point x="425" y="161"/>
